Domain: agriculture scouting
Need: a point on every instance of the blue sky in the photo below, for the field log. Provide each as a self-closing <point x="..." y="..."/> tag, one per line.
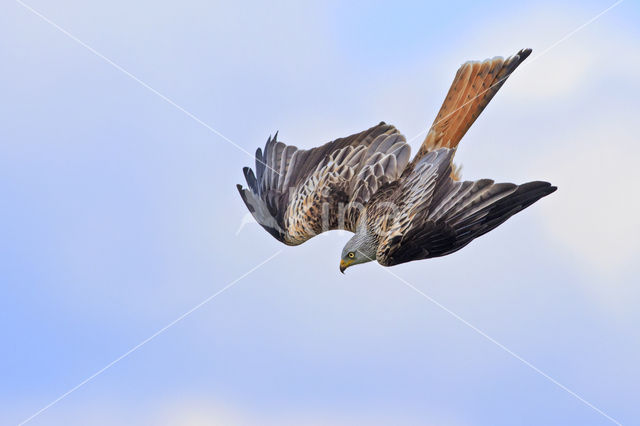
<point x="120" y="214"/>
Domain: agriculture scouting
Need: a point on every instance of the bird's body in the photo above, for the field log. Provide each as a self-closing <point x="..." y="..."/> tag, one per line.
<point x="399" y="210"/>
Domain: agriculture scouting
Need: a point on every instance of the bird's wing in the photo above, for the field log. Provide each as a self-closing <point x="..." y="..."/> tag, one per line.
<point x="474" y="85"/>
<point x="436" y="215"/>
<point x="296" y="194"/>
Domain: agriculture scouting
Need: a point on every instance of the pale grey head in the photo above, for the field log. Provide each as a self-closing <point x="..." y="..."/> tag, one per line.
<point x="361" y="248"/>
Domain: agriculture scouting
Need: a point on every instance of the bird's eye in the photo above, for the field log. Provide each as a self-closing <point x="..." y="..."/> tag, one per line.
<point x="351" y="255"/>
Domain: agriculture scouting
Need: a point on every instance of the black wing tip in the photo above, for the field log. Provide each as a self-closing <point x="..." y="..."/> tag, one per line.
<point x="530" y="192"/>
<point x="540" y="185"/>
<point x="271" y="140"/>
<point x="250" y="178"/>
<point x="265" y="156"/>
<point x="243" y="195"/>
<point x="241" y="190"/>
<point x="548" y="189"/>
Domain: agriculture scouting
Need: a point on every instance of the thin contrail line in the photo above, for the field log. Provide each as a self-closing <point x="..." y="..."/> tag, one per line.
<point x="501" y="346"/>
<point x="529" y="62"/>
<point x="136" y="79"/>
<point x="570" y="34"/>
<point x="198" y="120"/>
<point x="494" y="341"/>
<point x="145" y="341"/>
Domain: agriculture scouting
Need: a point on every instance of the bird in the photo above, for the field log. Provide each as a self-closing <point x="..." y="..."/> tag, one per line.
<point x="399" y="209"/>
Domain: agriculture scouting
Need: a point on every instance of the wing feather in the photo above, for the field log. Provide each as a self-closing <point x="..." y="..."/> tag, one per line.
<point x="438" y="216"/>
<point x="296" y="194"/>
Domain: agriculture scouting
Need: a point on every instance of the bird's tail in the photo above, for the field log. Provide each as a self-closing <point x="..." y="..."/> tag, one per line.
<point x="474" y="85"/>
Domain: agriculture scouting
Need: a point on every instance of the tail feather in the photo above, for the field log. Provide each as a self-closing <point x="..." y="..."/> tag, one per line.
<point x="473" y="87"/>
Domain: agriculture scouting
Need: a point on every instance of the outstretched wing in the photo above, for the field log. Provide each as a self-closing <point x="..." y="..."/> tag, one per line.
<point x="296" y="194"/>
<point x="437" y="216"/>
<point x="474" y="85"/>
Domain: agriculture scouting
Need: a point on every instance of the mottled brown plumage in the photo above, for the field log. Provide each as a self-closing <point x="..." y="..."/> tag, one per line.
<point x="398" y="210"/>
<point x="297" y="194"/>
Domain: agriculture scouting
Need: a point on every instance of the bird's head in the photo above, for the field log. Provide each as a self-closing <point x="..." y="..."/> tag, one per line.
<point x="356" y="251"/>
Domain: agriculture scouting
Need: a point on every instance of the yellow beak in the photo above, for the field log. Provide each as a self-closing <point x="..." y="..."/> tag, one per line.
<point x="344" y="265"/>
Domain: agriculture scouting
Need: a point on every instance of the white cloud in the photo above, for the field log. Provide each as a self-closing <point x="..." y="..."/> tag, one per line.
<point x="596" y="213"/>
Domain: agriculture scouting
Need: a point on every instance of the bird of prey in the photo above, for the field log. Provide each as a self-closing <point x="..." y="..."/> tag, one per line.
<point x="399" y="210"/>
